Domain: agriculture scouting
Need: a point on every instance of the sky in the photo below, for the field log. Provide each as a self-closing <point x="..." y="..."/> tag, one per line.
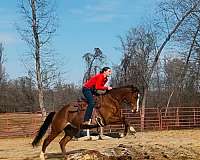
<point x="82" y="26"/>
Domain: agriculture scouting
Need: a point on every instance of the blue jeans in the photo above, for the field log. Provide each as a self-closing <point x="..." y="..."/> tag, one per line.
<point x="91" y="103"/>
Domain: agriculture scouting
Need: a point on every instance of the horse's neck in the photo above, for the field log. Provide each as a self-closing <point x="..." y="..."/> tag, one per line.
<point x="112" y="100"/>
<point x="117" y="94"/>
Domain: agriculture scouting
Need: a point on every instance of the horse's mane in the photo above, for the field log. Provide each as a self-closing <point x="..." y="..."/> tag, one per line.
<point x="127" y="86"/>
<point x="134" y="89"/>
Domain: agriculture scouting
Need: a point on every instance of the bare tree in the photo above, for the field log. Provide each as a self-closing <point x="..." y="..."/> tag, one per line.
<point x="2" y="59"/>
<point x="39" y="26"/>
<point x="173" y="70"/>
<point x="3" y="79"/>
<point x="93" y="63"/>
<point x="185" y="14"/>
<point x="174" y="29"/>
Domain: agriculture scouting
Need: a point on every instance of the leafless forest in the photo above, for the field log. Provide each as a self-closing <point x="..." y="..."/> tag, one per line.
<point x="161" y="58"/>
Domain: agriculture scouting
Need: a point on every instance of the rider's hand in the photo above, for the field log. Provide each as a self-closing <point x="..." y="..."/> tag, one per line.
<point x="109" y="88"/>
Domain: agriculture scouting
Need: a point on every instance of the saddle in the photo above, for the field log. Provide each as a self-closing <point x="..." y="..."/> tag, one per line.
<point x="81" y="104"/>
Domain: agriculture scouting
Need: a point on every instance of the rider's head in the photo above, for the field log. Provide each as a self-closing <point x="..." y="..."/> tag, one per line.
<point x="106" y="71"/>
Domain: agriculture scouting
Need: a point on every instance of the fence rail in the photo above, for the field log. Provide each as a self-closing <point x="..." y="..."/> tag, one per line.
<point x="27" y="124"/>
<point x="19" y="124"/>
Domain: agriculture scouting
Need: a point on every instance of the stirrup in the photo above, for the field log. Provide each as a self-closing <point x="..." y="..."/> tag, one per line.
<point x="99" y="121"/>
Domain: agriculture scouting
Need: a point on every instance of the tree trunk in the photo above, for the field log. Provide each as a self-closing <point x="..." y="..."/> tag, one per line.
<point x="168" y="102"/>
<point x="37" y="60"/>
<point x="143" y="109"/>
<point x="1" y="62"/>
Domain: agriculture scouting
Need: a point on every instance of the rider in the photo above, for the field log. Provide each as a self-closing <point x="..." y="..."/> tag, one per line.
<point x="96" y="82"/>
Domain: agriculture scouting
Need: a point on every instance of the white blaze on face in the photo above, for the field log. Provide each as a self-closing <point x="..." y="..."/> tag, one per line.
<point x="138" y="100"/>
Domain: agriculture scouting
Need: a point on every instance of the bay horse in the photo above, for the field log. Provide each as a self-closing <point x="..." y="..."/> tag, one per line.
<point x="70" y="121"/>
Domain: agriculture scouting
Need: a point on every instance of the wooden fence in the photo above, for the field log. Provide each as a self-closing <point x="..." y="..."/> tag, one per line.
<point x="19" y="124"/>
<point x="27" y="124"/>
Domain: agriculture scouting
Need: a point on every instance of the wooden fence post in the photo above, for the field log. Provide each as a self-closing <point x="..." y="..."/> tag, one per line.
<point x="194" y="117"/>
<point x="7" y="124"/>
<point x="177" y="117"/>
<point x="159" y="118"/>
<point x="142" y="114"/>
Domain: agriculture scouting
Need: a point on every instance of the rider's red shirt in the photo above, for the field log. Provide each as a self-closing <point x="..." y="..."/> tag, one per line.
<point x="98" y="81"/>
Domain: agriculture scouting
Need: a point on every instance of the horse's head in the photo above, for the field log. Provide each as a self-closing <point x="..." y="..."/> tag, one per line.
<point x="132" y="96"/>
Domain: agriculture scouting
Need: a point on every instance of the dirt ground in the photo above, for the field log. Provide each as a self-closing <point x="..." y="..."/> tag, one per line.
<point x="157" y="145"/>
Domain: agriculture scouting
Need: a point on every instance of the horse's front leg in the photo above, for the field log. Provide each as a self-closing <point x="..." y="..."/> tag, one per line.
<point x="119" y="119"/>
<point x="126" y="125"/>
<point x="128" y="128"/>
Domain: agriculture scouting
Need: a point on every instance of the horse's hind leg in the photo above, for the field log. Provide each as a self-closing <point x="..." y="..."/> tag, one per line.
<point x="52" y="135"/>
<point x="69" y="133"/>
<point x="63" y="143"/>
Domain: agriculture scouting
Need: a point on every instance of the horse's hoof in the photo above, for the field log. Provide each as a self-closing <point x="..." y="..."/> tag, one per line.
<point x="42" y="156"/>
<point x="132" y="129"/>
<point x="122" y="135"/>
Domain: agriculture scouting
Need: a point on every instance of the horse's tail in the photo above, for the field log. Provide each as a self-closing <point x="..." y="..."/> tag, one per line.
<point x="43" y="129"/>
